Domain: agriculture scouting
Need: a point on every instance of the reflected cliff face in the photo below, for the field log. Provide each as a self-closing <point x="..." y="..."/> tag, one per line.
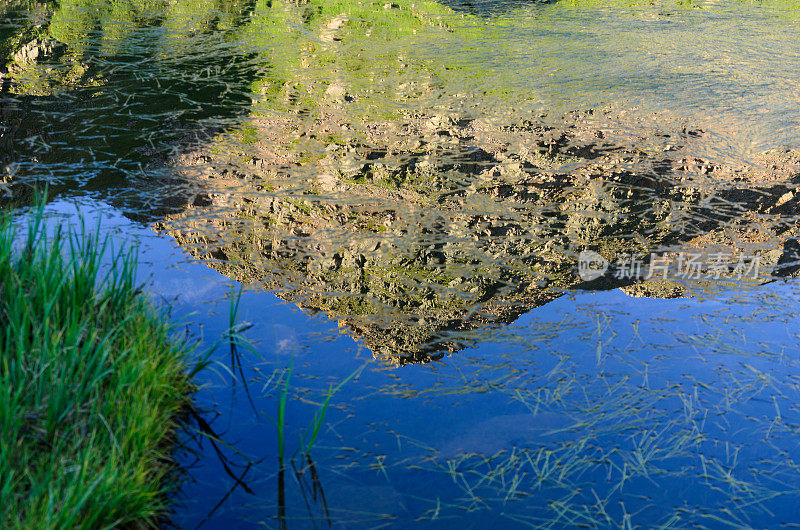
<point x="424" y="175"/>
<point x="430" y="229"/>
<point x="417" y="215"/>
<point x="379" y="162"/>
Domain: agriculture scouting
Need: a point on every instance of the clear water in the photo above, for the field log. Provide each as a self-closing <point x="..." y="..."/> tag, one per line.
<point x="402" y="192"/>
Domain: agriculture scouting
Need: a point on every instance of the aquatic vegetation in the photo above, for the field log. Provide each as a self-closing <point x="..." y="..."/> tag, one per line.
<point x="92" y="383"/>
<point x="608" y="443"/>
<point x="319" y="414"/>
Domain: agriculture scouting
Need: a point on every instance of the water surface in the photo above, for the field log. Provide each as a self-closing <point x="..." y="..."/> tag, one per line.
<point x="402" y="191"/>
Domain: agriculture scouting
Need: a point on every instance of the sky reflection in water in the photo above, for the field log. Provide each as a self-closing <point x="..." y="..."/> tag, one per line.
<point x="596" y="408"/>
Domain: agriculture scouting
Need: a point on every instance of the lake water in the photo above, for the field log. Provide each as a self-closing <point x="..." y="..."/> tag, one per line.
<point x="402" y="199"/>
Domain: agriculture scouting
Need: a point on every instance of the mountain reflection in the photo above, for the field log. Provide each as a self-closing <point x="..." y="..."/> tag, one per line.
<point x="429" y="229"/>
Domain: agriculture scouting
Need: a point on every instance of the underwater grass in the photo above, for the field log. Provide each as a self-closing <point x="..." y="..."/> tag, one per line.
<point x="91" y="384"/>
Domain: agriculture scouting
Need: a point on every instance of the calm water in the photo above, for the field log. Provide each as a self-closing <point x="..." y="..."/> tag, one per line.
<point x="399" y="196"/>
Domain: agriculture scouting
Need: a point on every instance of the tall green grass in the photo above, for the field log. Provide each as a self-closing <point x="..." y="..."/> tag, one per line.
<point x="91" y="384"/>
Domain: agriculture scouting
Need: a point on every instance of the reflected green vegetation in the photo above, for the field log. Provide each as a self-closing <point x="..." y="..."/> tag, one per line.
<point x="62" y="44"/>
<point x="148" y="62"/>
<point x="91" y="383"/>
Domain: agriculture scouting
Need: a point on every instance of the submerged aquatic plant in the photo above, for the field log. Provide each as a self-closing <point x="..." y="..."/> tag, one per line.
<point x="319" y="414"/>
<point x="314" y="428"/>
<point x="300" y="460"/>
<point x="307" y="463"/>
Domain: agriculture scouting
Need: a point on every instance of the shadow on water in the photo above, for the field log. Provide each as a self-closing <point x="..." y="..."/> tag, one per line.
<point x="100" y="97"/>
<point x="488" y="8"/>
<point x="436" y="190"/>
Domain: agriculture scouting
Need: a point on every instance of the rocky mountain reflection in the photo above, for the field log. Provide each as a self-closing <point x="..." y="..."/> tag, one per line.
<point x="382" y="167"/>
<point x="416" y="233"/>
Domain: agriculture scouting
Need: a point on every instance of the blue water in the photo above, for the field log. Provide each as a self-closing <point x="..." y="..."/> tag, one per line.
<point x="596" y="409"/>
<point x="681" y="410"/>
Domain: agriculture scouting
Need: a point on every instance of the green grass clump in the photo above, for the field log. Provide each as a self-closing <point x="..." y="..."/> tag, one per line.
<point x="91" y="385"/>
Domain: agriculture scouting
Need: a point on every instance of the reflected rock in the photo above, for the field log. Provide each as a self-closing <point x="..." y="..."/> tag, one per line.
<point x="419" y="234"/>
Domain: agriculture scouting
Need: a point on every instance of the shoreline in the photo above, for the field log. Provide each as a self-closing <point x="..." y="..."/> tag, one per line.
<point x="92" y="386"/>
